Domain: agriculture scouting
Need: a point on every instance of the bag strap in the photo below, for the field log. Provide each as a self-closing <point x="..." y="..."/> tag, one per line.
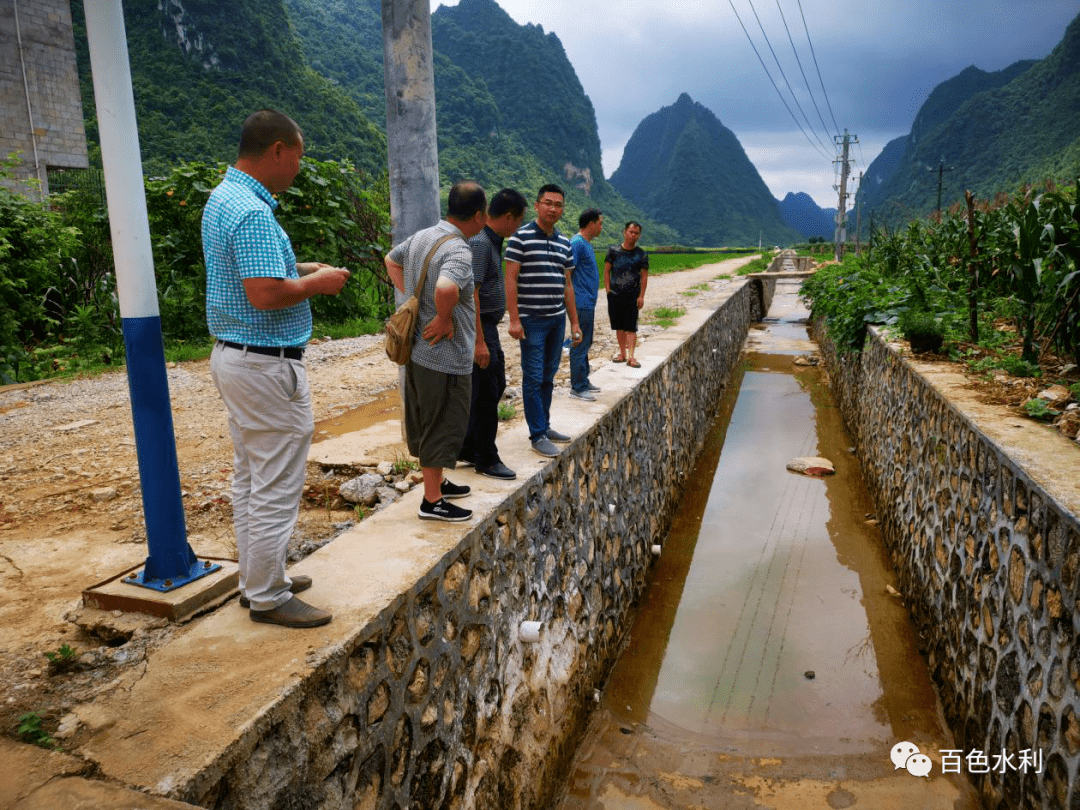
<point x="427" y="261"/>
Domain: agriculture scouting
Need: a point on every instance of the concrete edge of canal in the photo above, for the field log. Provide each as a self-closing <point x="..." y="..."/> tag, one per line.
<point x="422" y="692"/>
<point x="979" y="514"/>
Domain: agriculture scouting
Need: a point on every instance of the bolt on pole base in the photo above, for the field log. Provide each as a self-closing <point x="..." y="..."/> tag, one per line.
<point x="198" y="569"/>
<point x="214" y="582"/>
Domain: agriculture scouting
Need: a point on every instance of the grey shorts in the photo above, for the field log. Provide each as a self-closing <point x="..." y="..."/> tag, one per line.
<point x="436" y="414"/>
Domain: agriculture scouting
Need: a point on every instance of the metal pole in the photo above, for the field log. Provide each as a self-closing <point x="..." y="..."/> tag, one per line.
<point x="171" y="562"/>
<point x="412" y="148"/>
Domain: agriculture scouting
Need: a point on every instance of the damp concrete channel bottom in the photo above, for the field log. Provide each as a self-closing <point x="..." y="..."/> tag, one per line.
<point x="771" y="663"/>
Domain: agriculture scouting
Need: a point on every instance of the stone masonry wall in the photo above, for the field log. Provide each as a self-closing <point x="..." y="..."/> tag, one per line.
<point x="52" y="81"/>
<point x="437" y="703"/>
<point x="989" y="565"/>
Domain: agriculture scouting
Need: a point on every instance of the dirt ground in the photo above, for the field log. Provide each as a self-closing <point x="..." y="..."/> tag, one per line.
<point x="71" y="510"/>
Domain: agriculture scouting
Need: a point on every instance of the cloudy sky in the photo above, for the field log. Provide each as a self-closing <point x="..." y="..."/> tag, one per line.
<point x="878" y="61"/>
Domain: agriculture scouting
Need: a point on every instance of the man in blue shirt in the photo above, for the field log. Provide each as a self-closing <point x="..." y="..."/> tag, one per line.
<point x="257" y="308"/>
<point x="586" y="278"/>
<point x="539" y="296"/>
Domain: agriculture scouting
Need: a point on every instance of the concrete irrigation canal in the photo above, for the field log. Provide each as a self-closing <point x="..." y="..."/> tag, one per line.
<point x="772" y="663"/>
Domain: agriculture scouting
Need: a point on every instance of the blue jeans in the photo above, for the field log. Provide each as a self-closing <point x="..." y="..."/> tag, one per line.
<point x="541" y="351"/>
<point x="579" y="355"/>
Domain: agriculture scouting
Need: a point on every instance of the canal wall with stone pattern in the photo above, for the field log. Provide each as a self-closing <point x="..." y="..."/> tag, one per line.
<point x="989" y="565"/>
<point x="437" y="703"/>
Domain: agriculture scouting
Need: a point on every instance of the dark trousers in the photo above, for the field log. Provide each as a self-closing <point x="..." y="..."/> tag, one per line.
<point x="488" y="385"/>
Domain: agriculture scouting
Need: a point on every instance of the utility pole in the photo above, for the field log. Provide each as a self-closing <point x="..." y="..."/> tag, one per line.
<point x="410" y="116"/>
<point x="941" y="181"/>
<point x="859" y="217"/>
<point x="844" y="144"/>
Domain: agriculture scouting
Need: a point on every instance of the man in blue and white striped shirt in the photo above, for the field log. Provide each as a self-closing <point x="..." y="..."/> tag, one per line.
<point x="257" y="308"/>
<point x="539" y="295"/>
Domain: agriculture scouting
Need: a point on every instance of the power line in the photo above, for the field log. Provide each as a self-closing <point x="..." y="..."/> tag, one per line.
<point x="777" y="89"/>
<point x="795" y="51"/>
<point x="818" y="67"/>
<point x="784" y="75"/>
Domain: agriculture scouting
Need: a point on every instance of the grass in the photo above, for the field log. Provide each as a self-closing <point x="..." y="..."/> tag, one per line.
<point x="354" y="327"/>
<point x="664" y="316"/>
<point x="506" y="411"/>
<point x="660" y="263"/>
<point x="758" y="265"/>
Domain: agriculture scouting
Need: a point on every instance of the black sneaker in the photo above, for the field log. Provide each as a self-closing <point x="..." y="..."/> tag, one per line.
<point x="448" y="490"/>
<point x="441" y="510"/>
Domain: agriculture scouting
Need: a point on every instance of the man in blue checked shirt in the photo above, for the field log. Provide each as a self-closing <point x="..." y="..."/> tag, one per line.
<point x="257" y="308"/>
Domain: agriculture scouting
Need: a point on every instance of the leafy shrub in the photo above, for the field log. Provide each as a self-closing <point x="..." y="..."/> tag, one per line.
<point x="59" y="310"/>
<point x="1039" y="409"/>
<point x="1019" y="367"/>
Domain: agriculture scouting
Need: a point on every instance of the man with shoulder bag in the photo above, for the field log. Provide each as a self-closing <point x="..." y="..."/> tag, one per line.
<point x="438" y="374"/>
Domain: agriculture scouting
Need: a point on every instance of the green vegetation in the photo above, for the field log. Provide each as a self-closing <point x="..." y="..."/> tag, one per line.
<point x="664" y="316"/>
<point x="663" y="262"/>
<point x="404" y="465"/>
<point x="64" y="653"/>
<point x="191" y="96"/>
<point x="59" y="312"/>
<point x="31" y="731"/>
<point x="686" y="169"/>
<point x="1039" y="409"/>
<point x="506" y="411"/>
<point x="992" y="131"/>
<point x="758" y="265"/>
<point x="1002" y="284"/>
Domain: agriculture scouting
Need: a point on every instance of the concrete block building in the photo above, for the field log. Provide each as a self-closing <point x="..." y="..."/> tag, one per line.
<point x="41" y="113"/>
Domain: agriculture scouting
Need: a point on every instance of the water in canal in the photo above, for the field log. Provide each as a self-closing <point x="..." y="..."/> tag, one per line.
<point x="769" y="665"/>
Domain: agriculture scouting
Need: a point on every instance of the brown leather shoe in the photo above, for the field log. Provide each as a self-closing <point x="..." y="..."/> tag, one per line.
<point x="294" y="613"/>
<point x="300" y="582"/>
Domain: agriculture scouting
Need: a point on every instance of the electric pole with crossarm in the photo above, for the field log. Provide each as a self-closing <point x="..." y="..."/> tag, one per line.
<point x="844" y="144"/>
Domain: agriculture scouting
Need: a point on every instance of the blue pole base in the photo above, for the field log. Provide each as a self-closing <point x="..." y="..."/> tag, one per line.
<point x="171" y="558"/>
<point x="195" y="571"/>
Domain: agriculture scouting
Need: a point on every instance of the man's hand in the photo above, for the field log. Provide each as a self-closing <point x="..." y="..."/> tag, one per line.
<point x="482" y="357"/>
<point x="640" y="301"/>
<point x="516" y="330"/>
<point x="439" y="327"/>
<point x="575" y="335"/>
<point x="328" y="280"/>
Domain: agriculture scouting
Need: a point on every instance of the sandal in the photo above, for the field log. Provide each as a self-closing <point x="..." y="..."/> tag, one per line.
<point x="618" y="359"/>
<point x="633" y="363"/>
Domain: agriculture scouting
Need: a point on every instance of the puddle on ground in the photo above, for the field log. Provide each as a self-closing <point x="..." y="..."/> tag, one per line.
<point x="767" y="642"/>
<point x="385" y="406"/>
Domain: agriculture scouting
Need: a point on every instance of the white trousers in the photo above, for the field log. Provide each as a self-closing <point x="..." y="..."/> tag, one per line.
<point x="270" y="420"/>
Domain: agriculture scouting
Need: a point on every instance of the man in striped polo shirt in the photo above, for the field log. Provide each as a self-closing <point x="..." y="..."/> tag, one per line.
<point x="257" y="308"/>
<point x="539" y="295"/>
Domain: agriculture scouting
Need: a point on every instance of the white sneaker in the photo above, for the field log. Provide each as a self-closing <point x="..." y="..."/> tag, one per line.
<point x="585" y="395"/>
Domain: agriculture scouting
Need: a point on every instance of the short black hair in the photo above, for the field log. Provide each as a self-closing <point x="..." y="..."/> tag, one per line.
<point x="263" y="128"/>
<point x="507" y="201"/>
<point x="587" y="216"/>
<point x="550" y="188"/>
<point x="467" y="197"/>
<point x="632" y="222"/>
